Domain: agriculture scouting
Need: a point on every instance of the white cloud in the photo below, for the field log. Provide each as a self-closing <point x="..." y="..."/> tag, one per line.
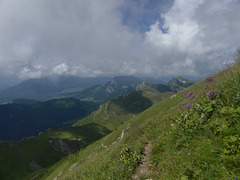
<point x="84" y="33"/>
<point x="88" y="38"/>
<point x="195" y="31"/>
<point x="61" y="69"/>
<point x="29" y="73"/>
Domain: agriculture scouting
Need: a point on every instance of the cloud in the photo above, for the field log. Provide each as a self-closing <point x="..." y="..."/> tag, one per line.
<point x="52" y="33"/>
<point x="34" y="72"/>
<point x="109" y="37"/>
<point x="196" y="36"/>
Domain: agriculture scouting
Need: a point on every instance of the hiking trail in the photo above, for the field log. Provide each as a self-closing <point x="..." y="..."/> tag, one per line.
<point x="143" y="167"/>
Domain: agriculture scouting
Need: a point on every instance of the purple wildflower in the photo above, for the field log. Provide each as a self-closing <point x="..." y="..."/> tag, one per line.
<point x="189" y="94"/>
<point x="186" y="105"/>
<point x="192" y="97"/>
<point x="209" y="79"/>
<point x="119" y="167"/>
<point x="186" y="90"/>
<point x="188" y="154"/>
<point x="211" y="93"/>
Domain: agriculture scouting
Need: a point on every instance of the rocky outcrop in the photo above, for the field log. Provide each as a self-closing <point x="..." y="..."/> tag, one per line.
<point x="142" y="85"/>
<point x="34" y="166"/>
<point x="67" y="146"/>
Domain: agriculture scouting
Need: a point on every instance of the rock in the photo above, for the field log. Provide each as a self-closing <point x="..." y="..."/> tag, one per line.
<point x="67" y="146"/>
<point x="34" y="166"/>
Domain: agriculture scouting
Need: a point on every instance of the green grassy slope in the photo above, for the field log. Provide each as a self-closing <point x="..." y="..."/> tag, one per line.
<point x="200" y="141"/>
<point x="96" y="162"/>
<point x="123" y="108"/>
<point x="15" y="157"/>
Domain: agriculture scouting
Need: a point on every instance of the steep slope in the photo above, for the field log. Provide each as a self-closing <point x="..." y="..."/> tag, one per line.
<point x="155" y="92"/>
<point x="19" y="159"/>
<point x="194" y="135"/>
<point x="48" y="87"/>
<point x="23" y="120"/>
<point x="122" y="108"/>
<point x="36" y="153"/>
<point x="178" y="84"/>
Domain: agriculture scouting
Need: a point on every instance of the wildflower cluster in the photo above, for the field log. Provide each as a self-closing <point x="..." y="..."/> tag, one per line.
<point x="209" y="119"/>
<point x="209" y="79"/>
<point x="210" y="94"/>
<point x="205" y="143"/>
<point x="186" y="105"/>
<point x="189" y="95"/>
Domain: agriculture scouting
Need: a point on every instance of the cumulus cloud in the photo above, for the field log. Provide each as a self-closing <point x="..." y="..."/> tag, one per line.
<point x="196" y="37"/>
<point x="92" y="38"/>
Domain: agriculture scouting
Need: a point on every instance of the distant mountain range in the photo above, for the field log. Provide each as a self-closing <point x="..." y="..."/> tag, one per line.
<point x="118" y="86"/>
<point x="123" y="85"/>
<point x="27" y="117"/>
<point x="99" y="89"/>
<point x="48" y="87"/>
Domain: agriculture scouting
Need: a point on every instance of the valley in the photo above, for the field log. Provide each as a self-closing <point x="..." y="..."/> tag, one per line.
<point x="58" y="143"/>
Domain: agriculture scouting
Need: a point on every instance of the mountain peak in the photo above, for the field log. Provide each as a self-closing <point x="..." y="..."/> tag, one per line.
<point x="179" y="83"/>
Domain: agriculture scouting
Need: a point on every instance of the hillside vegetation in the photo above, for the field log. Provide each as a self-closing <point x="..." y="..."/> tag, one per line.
<point x="193" y="135"/>
<point x="28" y="119"/>
<point x="33" y="154"/>
<point x="19" y="159"/>
<point x="120" y="109"/>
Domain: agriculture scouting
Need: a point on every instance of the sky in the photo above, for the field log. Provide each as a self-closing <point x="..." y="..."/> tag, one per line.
<point x="193" y="38"/>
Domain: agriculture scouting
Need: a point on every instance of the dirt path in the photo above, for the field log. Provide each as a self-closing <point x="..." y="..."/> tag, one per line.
<point x="143" y="167"/>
